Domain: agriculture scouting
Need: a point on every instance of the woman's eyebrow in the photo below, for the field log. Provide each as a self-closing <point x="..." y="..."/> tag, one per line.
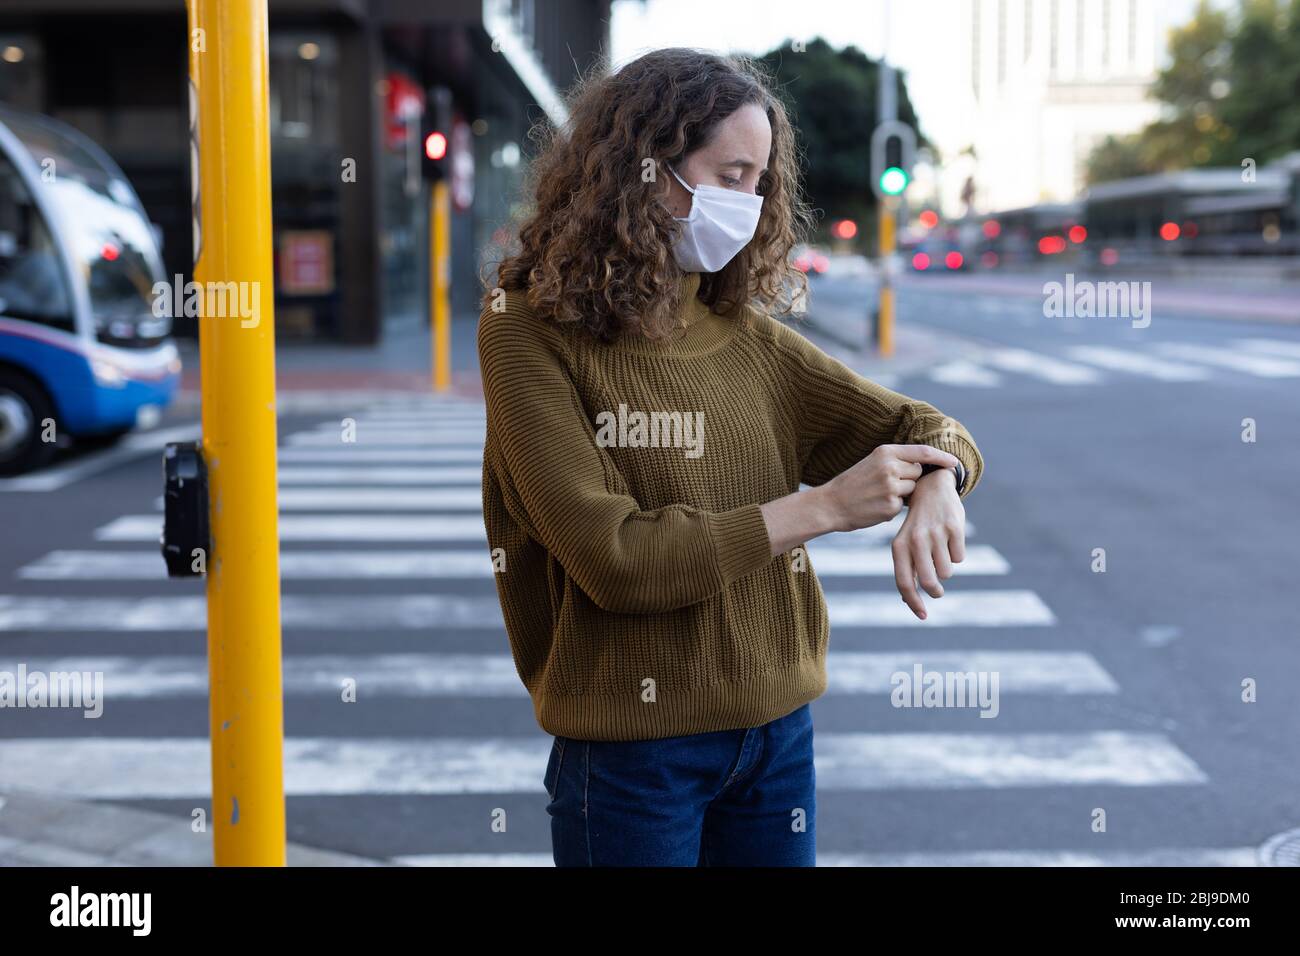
<point x="743" y="164"/>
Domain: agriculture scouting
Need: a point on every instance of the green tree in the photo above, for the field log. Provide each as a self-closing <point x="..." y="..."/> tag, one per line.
<point x="832" y="95"/>
<point x="1261" y="113"/>
<point x="1230" y="91"/>
<point x="1116" y="157"/>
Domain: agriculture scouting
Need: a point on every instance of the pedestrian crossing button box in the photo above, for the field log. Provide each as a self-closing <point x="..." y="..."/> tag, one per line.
<point x="185" y="539"/>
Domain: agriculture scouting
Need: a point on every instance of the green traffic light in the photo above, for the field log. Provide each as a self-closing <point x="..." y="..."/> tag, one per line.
<point x="893" y="181"/>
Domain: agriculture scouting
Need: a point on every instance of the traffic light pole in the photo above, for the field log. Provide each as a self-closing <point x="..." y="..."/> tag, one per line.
<point x="885" y="321"/>
<point x="888" y="110"/>
<point x="438" y="147"/>
<point x="232" y="248"/>
<point x="440" y="282"/>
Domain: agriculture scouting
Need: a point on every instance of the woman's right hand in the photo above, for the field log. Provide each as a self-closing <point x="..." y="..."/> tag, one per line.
<point x="872" y="491"/>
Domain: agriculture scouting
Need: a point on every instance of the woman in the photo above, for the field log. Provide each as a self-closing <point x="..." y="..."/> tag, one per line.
<point x="649" y="425"/>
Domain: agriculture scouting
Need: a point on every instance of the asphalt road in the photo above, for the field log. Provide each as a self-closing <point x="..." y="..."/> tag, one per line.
<point x="1120" y="691"/>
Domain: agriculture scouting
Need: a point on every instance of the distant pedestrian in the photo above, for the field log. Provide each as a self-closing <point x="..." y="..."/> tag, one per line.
<point x="649" y="424"/>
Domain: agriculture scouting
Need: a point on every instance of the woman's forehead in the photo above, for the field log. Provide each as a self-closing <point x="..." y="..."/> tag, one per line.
<point x="745" y="137"/>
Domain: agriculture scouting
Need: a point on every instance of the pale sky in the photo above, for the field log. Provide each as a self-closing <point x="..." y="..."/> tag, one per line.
<point x="918" y="43"/>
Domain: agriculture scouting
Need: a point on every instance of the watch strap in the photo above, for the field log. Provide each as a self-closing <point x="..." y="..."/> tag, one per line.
<point x="959" y="471"/>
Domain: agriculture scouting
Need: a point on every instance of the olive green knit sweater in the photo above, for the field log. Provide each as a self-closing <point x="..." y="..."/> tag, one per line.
<point x="633" y="562"/>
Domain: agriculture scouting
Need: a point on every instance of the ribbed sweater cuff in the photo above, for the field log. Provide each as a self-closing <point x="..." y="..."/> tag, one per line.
<point x="740" y="541"/>
<point x="956" y="445"/>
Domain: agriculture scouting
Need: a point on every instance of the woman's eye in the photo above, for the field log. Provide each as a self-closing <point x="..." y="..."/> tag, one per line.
<point x="730" y="181"/>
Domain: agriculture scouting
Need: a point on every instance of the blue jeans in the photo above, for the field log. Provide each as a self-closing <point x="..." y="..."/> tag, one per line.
<point x="724" y="798"/>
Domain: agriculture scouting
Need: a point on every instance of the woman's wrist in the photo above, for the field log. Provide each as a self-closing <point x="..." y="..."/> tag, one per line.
<point x="948" y="478"/>
<point x="824" y="509"/>
<point x="800" y="517"/>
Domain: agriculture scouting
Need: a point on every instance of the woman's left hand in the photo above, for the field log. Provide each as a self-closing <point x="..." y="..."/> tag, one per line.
<point x="931" y="540"/>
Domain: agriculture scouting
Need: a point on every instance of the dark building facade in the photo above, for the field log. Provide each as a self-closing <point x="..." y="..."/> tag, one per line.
<point x="349" y="80"/>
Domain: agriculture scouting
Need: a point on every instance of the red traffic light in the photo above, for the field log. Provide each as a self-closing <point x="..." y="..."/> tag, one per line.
<point x="845" y="229"/>
<point x="929" y="218"/>
<point x="435" y="145"/>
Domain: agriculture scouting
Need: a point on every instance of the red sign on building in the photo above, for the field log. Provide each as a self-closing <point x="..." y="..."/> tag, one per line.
<point x="307" y="262"/>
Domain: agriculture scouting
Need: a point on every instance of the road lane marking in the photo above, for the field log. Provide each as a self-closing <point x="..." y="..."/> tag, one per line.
<point x="340" y="527"/>
<point x="495" y="675"/>
<point x="374" y="613"/>
<point x="1138" y="364"/>
<point x="964" y="373"/>
<point x="127" y="449"/>
<point x="1259" y="365"/>
<point x="106" y="768"/>
<point x="871" y="562"/>
<point x="352" y="454"/>
<point x="1163" y="857"/>
<point x="363" y="474"/>
<point x="956" y="608"/>
<point x="360" y="564"/>
<point x="436" y="528"/>
<point x="381" y="499"/>
<point x="1271" y="347"/>
<point x="1041" y="366"/>
<point x="412" y="438"/>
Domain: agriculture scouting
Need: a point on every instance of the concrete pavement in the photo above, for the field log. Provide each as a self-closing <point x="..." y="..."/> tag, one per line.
<point x="46" y="829"/>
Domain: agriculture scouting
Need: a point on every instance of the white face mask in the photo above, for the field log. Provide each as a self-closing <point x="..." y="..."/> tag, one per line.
<point x="720" y="224"/>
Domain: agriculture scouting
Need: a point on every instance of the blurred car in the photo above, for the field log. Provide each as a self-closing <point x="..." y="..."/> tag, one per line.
<point x="849" y="265"/>
<point x="937" y="255"/>
<point x="810" y="260"/>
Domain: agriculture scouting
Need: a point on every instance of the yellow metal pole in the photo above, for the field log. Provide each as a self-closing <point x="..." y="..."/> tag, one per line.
<point x="439" y="282"/>
<point x="228" y="68"/>
<point x="885" y="331"/>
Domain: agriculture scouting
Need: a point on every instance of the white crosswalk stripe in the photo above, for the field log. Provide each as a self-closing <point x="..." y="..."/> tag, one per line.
<point x="341" y="454"/>
<point x="114" y="768"/>
<point x="1261" y="365"/>
<point x="356" y="564"/>
<point x="340" y="527"/>
<point x="1041" y="366"/>
<point x="963" y="372"/>
<point x="425" y="612"/>
<point x="423" y="458"/>
<point x="346" y="498"/>
<point x="1167" y="362"/>
<point x="1138" y="364"/>
<point x="354" y="474"/>
<point x="1175" y="857"/>
<point x="402" y="438"/>
<point x="494" y="675"/>
<point x="1275" y="347"/>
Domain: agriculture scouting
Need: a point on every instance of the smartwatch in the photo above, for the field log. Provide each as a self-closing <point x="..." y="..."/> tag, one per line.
<point x="958" y="470"/>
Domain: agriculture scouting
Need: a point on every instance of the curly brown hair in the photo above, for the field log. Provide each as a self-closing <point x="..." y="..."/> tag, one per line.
<point x="595" y="247"/>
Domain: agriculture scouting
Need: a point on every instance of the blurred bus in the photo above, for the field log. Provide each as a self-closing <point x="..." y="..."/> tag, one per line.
<point x="82" y="350"/>
<point x="1225" y="213"/>
<point x="1196" y="212"/>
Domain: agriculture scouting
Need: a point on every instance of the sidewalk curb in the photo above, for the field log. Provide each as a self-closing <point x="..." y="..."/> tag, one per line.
<point x="917" y="349"/>
<point x="306" y="400"/>
<point x="45" y="829"/>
